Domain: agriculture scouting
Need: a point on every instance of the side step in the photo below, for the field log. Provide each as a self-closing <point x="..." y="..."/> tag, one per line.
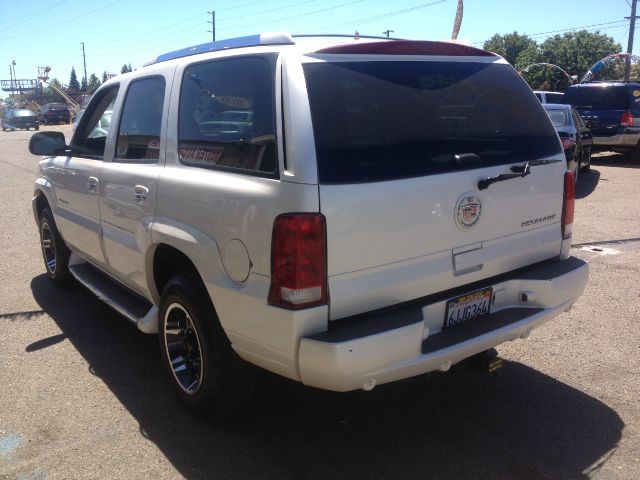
<point x="132" y="306"/>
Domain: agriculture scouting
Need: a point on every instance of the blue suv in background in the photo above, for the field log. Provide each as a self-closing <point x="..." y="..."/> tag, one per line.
<point x="612" y="112"/>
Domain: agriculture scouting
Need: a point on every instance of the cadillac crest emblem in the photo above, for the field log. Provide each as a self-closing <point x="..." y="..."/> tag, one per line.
<point x="467" y="211"/>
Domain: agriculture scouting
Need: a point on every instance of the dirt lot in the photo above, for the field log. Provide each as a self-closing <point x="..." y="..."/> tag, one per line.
<point x="83" y="395"/>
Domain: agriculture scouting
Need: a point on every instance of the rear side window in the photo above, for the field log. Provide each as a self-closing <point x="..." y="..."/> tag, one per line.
<point x="376" y="121"/>
<point x="141" y="120"/>
<point x="227" y="115"/>
<point x="598" y="97"/>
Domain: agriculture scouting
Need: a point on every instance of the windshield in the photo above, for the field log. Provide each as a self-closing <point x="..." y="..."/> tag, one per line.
<point x="378" y="120"/>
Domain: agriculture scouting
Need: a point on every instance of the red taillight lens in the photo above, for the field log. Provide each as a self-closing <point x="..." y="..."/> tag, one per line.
<point x="568" y="204"/>
<point x="626" y="120"/>
<point x="298" y="261"/>
<point x="566" y="142"/>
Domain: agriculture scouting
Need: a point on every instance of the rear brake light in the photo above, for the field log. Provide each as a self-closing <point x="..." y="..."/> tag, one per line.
<point x="298" y="261"/>
<point x="568" y="204"/>
<point x="626" y="120"/>
<point x="566" y="142"/>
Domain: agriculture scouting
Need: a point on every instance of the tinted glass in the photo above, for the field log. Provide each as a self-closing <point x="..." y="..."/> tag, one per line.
<point x="226" y="116"/>
<point x="90" y="136"/>
<point x="141" y="120"/>
<point x="378" y="121"/>
<point x="554" y="97"/>
<point x="559" y="118"/>
<point x="598" y="97"/>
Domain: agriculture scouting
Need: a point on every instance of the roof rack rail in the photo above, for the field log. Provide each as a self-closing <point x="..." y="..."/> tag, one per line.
<point x="268" y="38"/>
<point x="339" y="35"/>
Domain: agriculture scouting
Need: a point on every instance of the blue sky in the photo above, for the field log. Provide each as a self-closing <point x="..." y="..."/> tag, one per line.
<point x="115" y="32"/>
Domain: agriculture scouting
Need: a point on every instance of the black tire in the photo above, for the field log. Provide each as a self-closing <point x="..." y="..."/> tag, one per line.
<point x="587" y="167"/>
<point x="54" y="251"/>
<point x="37" y="127"/>
<point x="210" y="379"/>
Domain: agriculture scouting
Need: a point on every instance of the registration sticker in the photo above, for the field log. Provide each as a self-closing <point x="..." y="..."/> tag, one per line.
<point x="467" y="307"/>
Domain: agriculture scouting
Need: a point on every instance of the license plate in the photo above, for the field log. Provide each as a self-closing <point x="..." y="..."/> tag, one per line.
<point x="467" y="307"/>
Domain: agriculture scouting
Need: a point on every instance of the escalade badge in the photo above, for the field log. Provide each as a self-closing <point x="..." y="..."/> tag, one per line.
<point x="468" y="209"/>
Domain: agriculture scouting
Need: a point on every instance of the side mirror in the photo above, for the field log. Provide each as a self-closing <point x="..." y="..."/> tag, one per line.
<point x="48" y="144"/>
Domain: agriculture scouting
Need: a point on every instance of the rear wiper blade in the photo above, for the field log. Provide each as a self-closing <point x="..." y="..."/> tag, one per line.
<point x="519" y="171"/>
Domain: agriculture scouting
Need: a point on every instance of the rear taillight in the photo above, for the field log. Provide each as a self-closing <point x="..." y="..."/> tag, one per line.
<point x="566" y="142"/>
<point x="298" y="261"/>
<point x="626" y="120"/>
<point x="568" y="205"/>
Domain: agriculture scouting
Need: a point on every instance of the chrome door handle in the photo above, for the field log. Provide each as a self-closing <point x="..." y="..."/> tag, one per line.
<point x="140" y="193"/>
<point x="92" y="184"/>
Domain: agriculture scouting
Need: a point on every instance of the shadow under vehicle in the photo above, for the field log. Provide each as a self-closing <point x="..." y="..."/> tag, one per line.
<point x="516" y="424"/>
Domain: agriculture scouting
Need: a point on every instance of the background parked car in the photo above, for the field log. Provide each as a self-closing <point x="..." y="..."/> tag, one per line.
<point x="574" y="134"/>
<point x="20" y="119"/>
<point x="54" y="113"/>
<point x="612" y="111"/>
<point x="549" y="97"/>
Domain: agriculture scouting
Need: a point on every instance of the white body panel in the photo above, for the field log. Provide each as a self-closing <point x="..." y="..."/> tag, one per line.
<point x="387" y="242"/>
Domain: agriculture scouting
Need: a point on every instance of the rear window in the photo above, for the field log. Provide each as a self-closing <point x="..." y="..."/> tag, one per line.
<point x="559" y="118"/>
<point x="554" y="97"/>
<point x="598" y="97"/>
<point x="24" y="113"/>
<point x="376" y="121"/>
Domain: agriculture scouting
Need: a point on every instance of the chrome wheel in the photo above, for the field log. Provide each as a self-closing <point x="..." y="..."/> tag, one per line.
<point x="183" y="348"/>
<point x="48" y="247"/>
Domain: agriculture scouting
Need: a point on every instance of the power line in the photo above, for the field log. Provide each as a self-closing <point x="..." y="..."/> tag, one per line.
<point x="297" y="16"/>
<point x="65" y="22"/>
<point x="576" y="28"/>
<point x="382" y="16"/>
<point x="252" y="14"/>
<point x="16" y="22"/>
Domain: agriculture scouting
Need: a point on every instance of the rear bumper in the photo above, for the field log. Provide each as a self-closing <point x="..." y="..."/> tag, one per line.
<point x="393" y="344"/>
<point x="620" y="140"/>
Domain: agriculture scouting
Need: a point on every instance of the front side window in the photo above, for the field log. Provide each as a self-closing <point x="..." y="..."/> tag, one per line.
<point x="141" y="120"/>
<point x="226" y="115"/>
<point x="91" y="133"/>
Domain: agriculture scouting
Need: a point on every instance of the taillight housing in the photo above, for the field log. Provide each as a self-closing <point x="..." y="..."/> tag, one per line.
<point x="298" y="261"/>
<point x="626" y="120"/>
<point x="567" y="142"/>
<point x="568" y="204"/>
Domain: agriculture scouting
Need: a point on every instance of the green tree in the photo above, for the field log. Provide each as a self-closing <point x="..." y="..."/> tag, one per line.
<point x="50" y="92"/>
<point x="104" y="76"/>
<point x="94" y="83"/>
<point x="126" y="68"/>
<point x="83" y="85"/>
<point x="73" y="80"/>
<point x="509" y="46"/>
<point x="576" y="52"/>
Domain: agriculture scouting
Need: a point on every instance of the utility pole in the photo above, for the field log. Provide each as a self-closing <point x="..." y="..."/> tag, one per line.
<point x="213" y="25"/>
<point x="387" y="32"/>
<point x="11" y="75"/>
<point x="457" y="22"/>
<point x="84" y="60"/>
<point x="15" y="79"/>
<point x="632" y="27"/>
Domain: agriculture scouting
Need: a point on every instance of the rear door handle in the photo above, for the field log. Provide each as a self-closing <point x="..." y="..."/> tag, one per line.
<point x="140" y="193"/>
<point x="92" y="184"/>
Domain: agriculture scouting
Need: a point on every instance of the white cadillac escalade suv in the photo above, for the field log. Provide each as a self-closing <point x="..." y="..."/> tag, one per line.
<point x="343" y="212"/>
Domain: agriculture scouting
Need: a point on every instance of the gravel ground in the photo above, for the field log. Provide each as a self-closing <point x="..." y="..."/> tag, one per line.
<point x="83" y="395"/>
